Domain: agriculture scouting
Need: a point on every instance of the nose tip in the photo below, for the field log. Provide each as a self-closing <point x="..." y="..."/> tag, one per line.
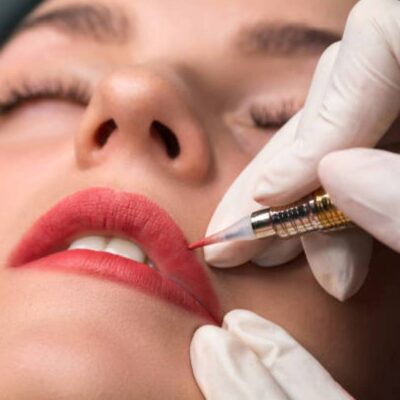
<point x="144" y="114"/>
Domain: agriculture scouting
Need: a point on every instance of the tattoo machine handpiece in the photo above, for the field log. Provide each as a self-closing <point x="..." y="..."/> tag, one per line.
<point x="314" y="213"/>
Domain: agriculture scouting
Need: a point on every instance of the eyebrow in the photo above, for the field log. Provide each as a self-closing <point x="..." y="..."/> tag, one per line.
<point x="102" y="24"/>
<point x="92" y="21"/>
<point x="281" y="39"/>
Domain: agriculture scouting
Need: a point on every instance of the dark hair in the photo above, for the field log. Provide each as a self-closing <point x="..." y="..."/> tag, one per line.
<point x="11" y="13"/>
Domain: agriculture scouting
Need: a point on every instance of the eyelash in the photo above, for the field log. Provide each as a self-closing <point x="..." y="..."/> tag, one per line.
<point x="263" y="117"/>
<point x="273" y="117"/>
<point x="16" y="96"/>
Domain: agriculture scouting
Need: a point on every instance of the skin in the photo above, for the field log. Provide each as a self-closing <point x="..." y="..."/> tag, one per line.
<point x="70" y="336"/>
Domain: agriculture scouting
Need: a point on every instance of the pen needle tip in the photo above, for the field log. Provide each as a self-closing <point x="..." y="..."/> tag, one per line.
<point x="196" y="245"/>
<point x="201" y="243"/>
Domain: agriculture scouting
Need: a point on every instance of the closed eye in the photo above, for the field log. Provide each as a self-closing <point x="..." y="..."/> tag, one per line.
<point x="17" y="95"/>
<point x="273" y="117"/>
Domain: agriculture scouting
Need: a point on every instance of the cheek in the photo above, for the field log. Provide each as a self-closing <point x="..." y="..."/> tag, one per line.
<point x="38" y="122"/>
<point x="33" y="139"/>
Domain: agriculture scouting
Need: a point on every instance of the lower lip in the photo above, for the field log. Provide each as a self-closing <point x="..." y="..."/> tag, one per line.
<point x="119" y="269"/>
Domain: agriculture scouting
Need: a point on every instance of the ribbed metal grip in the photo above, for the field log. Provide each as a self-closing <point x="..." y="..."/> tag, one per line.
<point x="313" y="213"/>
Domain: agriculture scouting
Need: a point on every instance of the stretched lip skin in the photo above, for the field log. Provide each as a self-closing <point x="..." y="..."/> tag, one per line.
<point x="180" y="278"/>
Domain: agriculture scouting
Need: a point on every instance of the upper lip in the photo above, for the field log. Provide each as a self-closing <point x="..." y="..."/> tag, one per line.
<point x="126" y="215"/>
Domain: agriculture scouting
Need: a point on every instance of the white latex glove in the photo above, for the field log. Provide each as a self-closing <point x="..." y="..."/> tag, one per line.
<point x="250" y="358"/>
<point x="353" y="101"/>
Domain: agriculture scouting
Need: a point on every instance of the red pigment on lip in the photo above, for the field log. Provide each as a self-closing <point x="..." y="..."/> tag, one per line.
<point x="126" y="215"/>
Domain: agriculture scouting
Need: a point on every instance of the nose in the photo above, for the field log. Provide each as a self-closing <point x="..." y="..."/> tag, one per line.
<point x="146" y="115"/>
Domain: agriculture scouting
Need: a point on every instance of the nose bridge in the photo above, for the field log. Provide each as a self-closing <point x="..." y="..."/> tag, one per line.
<point x="146" y="111"/>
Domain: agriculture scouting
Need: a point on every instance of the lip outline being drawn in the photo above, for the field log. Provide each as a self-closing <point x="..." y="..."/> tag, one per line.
<point x="179" y="278"/>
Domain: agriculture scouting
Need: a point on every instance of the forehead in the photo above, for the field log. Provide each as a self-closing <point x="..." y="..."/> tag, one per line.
<point x="202" y="25"/>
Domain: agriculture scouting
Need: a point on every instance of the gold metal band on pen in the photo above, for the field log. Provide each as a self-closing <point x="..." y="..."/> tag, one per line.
<point x="310" y="214"/>
<point x="328" y="215"/>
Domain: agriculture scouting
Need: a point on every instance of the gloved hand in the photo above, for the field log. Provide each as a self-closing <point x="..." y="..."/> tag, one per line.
<point x="250" y="358"/>
<point x="353" y="101"/>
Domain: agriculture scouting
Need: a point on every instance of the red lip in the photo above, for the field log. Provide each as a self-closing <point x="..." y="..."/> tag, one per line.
<point x="180" y="278"/>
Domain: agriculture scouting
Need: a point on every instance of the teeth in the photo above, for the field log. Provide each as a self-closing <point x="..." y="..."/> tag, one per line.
<point x="125" y="249"/>
<point x="98" y="243"/>
<point x="117" y="246"/>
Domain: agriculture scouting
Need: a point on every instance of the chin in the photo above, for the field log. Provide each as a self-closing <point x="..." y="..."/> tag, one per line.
<point x="74" y="337"/>
<point x="49" y="362"/>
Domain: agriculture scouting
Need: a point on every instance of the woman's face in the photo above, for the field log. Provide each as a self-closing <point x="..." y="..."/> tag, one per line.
<point x="168" y="100"/>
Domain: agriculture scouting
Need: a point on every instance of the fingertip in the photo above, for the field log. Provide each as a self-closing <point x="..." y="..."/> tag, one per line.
<point x="339" y="261"/>
<point x="237" y="315"/>
<point x="234" y="254"/>
<point x="221" y="256"/>
<point x="269" y="187"/>
<point x="205" y="333"/>
<point x="278" y="253"/>
<point x="203" y="341"/>
<point x="262" y="191"/>
<point x="273" y="189"/>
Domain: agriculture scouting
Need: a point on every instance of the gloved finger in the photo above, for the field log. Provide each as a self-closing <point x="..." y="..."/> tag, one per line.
<point x="319" y="86"/>
<point x="370" y="193"/>
<point x="238" y="202"/>
<point x="317" y="91"/>
<point x="316" y="95"/>
<point x="297" y="372"/>
<point x="225" y="368"/>
<point x="360" y="103"/>
<point x="339" y="260"/>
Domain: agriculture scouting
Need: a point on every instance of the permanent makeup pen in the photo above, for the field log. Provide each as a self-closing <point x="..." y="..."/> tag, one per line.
<point x="314" y="213"/>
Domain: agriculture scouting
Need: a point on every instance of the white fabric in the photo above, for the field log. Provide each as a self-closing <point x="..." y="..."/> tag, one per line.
<point x="250" y="358"/>
<point x="353" y="101"/>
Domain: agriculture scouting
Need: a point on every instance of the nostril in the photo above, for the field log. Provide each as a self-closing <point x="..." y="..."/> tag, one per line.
<point x="105" y="130"/>
<point x="168" y="137"/>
